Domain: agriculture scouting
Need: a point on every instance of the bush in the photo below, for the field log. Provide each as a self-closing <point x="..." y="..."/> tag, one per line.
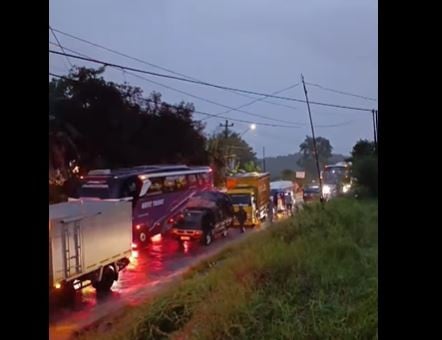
<point x="365" y="169"/>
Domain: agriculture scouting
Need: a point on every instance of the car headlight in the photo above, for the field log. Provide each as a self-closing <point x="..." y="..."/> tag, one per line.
<point x="326" y="189"/>
<point x="346" y="188"/>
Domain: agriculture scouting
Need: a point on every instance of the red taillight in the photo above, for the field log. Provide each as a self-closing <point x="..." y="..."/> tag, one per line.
<point x="171" y="221"/>
<point x="156" y="238"/>
<point x="138" y="226"/>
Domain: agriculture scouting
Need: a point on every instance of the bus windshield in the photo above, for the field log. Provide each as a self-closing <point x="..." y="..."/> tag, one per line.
<point x="334" y="175"/>
<point x="240" y="199"/>
<point x="109" y="189"/>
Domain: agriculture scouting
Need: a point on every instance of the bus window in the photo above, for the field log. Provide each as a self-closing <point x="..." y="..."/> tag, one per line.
<point x="130" y="188"/>
<point x="156" y="186"/>
<point x="206" y="178"/>
<point x="170" y="184"/>
<point x="201" y="179"/>
<point x="192" y="180"/>
<point x="198" y="179"/>
<point x="92" y="189"/>
<point x="181" y="182"/>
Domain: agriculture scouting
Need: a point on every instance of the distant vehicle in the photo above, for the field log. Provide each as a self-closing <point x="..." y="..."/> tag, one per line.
<point x="205" y="218"/>
<point x="336" y="179"/>
<point x="158" y="193"/>
<point x="252" y="192"/>
<point x="89" y="244"/>
<point x="311" y="193"/>
<point x="282" y="188"/>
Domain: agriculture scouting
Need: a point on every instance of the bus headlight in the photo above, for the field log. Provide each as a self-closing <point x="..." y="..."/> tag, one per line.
<point x="326" y="190"/>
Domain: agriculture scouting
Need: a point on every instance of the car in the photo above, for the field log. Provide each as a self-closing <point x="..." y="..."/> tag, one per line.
<point x="311" y="193"/>
<point x="201" y="224"/>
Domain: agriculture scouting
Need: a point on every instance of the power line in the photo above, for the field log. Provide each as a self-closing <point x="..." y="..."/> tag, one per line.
<point x="211" y="115"/>
<point x="206" y="113"/>
<point x="258" y="99"/>
<point x="105" y="63"/>
<point x="213" y="102"/>
<point x="198" y="97"/>
<point x="341" y="92"/>
<point x="59" y="45"/>
<point x="153" y="65"/>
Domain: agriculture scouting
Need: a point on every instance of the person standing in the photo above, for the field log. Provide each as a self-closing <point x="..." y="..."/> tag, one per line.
<point x="270" y="208"/>
<point x="289" y="204"/>
<point x="241" y="216"/>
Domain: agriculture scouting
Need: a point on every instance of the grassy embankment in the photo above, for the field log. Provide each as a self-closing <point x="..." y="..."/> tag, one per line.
<point x="310" y="277"/>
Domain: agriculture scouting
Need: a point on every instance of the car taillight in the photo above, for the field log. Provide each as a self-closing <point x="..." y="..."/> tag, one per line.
<point x="171" y="221"/>
<point x="138" y="226"/>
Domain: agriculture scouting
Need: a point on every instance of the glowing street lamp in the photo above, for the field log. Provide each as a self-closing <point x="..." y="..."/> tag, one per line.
<point x="251" y="127"/>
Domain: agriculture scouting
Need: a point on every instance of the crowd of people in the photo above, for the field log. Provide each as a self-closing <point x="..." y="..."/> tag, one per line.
<point x="281" y="203"/>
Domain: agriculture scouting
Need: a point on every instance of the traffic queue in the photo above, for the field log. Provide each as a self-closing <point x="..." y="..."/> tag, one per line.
<point x="146" y="202"/>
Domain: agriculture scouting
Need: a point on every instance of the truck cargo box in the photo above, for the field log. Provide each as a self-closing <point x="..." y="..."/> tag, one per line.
<point x="86" y="235"/>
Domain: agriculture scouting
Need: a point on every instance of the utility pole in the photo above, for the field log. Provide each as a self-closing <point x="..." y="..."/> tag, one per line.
<point x="264" y="158"/>
<point x="226" y="128"/>
<point x="315" y="149"/>
<point x="226" y="135"/>
<point x="374" y="116"/>
<point x="377" y="130"/>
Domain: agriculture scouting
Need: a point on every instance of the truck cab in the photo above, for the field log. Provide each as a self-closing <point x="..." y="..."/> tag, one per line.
<point x="245" y="198"/>
<point x="251" y="191"/>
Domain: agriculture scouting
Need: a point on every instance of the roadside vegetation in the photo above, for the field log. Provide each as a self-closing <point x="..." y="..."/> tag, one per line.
<point x="313" y="276"/>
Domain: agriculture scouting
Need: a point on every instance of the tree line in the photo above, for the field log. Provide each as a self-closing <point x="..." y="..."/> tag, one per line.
<point x="94" y="123"/>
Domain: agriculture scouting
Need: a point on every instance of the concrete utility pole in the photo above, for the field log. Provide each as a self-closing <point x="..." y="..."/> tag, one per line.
<point x="315" y="150"/>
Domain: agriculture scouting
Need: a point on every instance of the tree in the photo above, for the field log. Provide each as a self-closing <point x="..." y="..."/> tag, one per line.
<point x="250" y="166"/>
<point x="363" y="148"/>
<point x="365" y="166"/>
<point x="307" y="160"/>
<point x="365" y="169"/>
<point x="113" y="125"/>
<point x="288" y="175"/>
<point x="230" y="154"/>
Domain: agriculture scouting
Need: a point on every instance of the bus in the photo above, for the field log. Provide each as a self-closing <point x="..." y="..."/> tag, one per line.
<point x="336" y="179"/>
<point x="158" y="193"/>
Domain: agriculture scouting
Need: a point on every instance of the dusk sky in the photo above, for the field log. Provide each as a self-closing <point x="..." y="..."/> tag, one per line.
<point x="256" y="45"/>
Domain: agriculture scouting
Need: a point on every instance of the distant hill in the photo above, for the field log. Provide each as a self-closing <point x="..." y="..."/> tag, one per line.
<point x="275" y="165"/>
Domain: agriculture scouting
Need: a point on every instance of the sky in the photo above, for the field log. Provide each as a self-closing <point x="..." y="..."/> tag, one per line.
<point x="257" y="45"/>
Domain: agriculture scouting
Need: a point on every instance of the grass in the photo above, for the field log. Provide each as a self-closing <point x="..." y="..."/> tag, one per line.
<point x="310" y="277"/>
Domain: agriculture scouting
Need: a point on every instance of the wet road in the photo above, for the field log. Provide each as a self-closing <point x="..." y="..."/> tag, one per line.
<point x="151" y="268"/>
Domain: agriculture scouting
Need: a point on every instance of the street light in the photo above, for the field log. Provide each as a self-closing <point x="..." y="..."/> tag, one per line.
<point x="251" y="127"/>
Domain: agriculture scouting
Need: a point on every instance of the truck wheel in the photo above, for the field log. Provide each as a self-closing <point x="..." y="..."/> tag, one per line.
<point x="107" y="280"/>
<point x="66" y="297"/>
<point x="142" y="237"/>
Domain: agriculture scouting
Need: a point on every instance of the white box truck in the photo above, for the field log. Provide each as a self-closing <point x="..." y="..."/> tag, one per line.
<point x="89" y="244"/>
